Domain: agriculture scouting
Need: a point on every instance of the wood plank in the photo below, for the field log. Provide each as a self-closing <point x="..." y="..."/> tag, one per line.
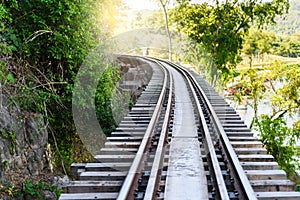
<point x="90" y="196"/>
<point x="250" y="151"/>
<point x="225" y="112"/>
<point x="132" y="129"/>
<point x="259" y="165"/>
<point x="265" y="174"/>
<point x="227" y="125"/>
<point x="143" y="108"/>
<point x="255" y="158"/>
<point x="239" y="134"/>
<point x="232" y="121"/>
<point x="236" y="138"/>
<point x="114" y="158"/>
<point x="233" y="129"/>
<point x="118" y="151"/>
<point x="107" y="166"/>
<point x="133" y="124"/>
<point x="93" y="186"/>
<point x="126" y="134"/>
<point x="122" y="144"/>
<point x="224" y="117"/>
<point x="278" y="195"/>
<point x="125" y="138"/>
<point x="272" y="185"/>
<point x="102" y="176"/>
<point x="141" y="118"/>
<point x="246" y="144"/>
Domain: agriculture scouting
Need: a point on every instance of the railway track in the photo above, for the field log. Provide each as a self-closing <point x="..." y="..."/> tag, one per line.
<point x="180" y="140"/>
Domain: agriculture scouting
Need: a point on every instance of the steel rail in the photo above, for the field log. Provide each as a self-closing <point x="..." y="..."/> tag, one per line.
<point x="102" y="181"/>
<point x="157" y="164"/>
<point x="243" y="186"/>
<point x="130" y="183"/>
<point x="220" y="185"/>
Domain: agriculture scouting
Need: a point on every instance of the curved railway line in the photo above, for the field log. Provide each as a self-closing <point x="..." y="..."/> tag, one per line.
<point x="181" y="140"/>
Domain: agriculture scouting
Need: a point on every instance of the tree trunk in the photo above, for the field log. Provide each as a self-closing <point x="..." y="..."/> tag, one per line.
<point x="164" y="5"/>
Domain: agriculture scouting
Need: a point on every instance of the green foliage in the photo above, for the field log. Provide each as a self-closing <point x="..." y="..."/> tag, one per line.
<point x="147" y="19"/>
<point x="252" y="84"/>
<point x="49" y="32"/>
<point x="5" y="76"/>
<point x="286" y="43"/>
<point x="286" y="98"/>
<point x="92" y="99"/>
<point x="11" y="136"/>
<point x="48" y="40"/>
<point x="30" y="188"/>
<point x="36" y="189"/>
<point x="221" y="29"/>
<point x="103" y="99"/>
<point x="9" y="189"/>
<point x="280" y="141"/>
<point x="289" y="24"/>
<point x="6" y="31"/>
<point x="287" y="46"/>
<point x="281" y="85"/>
<point x="5" y="165"/>
<point x="258" y="43"/>
<point x="279" y="82"/>
<point x="193" y="53"/>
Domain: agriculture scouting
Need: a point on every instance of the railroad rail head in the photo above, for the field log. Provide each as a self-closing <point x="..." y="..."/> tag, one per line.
<point x="147" y="156"/>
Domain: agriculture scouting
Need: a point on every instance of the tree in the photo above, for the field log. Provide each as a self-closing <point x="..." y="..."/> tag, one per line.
<point x="47" y="41"/>
<point x="281" y="84"/>
<point x="288" y="46"/>
<point x="280" y="139"/>
<point x="150" y="19"/>
<point x="221" y="28"/>
<point x="258" y="43"/>
<point x="290" y="24"/>
<point x="164" y="4"/>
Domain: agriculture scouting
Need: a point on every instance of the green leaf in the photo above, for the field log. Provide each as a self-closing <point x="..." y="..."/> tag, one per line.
<point x="10" y="78"/>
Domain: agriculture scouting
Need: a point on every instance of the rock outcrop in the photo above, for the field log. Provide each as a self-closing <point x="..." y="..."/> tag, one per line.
<point x="23" y="141"/>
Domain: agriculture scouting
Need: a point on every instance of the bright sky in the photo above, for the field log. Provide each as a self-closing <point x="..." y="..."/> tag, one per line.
<point x="141" y="4"/>
<point x="151" y="4"/>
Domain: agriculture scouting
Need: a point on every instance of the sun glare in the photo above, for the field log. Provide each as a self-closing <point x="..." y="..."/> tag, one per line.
<point x="141" y="4"/>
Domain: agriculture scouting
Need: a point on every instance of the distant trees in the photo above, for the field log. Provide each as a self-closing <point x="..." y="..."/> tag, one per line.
<point x="287" y="46"/>
<point x="221" y="28"/>
<point x="148" y="19"/>
<point x="258" y="43"/>
<point x="288" y="24"/>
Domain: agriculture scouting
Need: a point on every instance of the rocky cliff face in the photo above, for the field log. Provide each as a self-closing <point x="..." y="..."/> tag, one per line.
<point x="23" y="141"/>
